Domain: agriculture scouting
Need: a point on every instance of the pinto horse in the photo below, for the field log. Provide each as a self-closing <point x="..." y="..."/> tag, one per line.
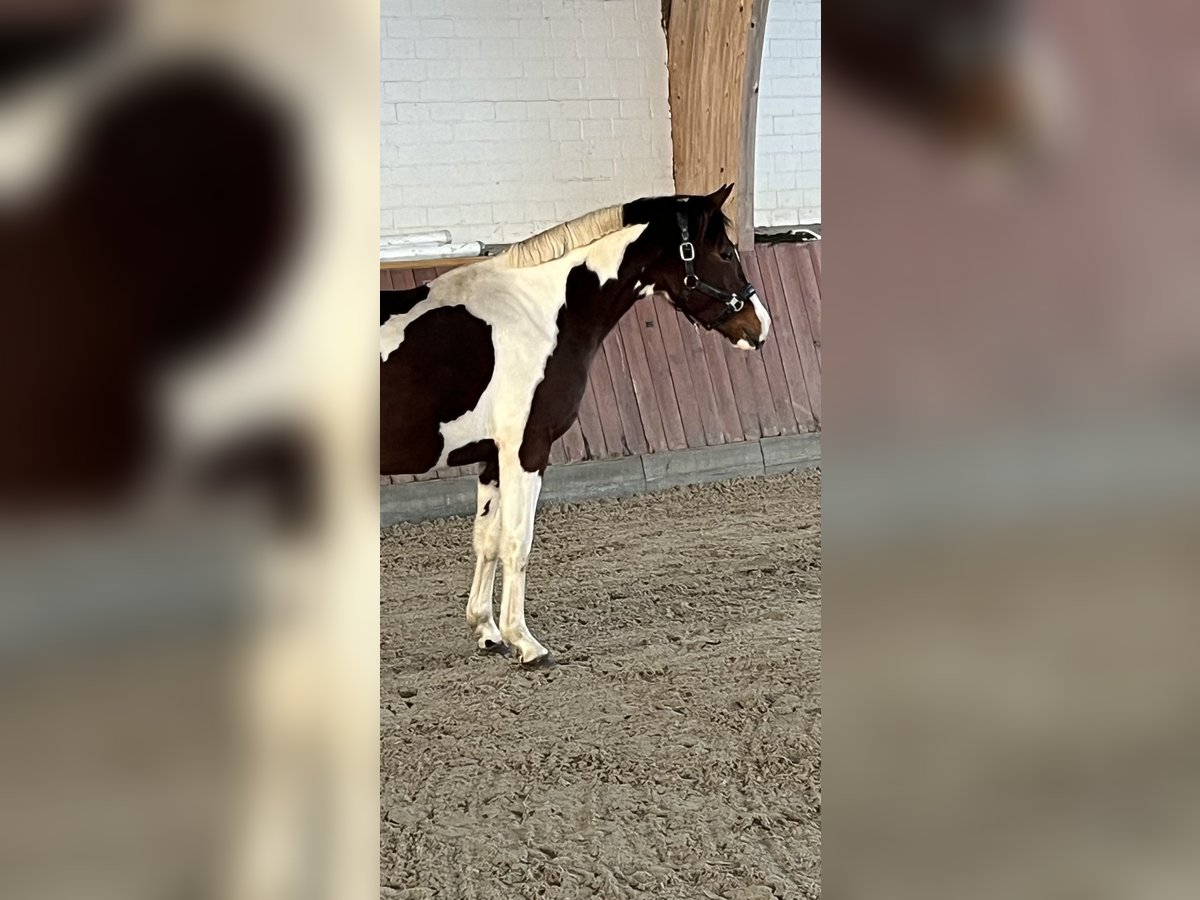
<point x="487" y="363"/>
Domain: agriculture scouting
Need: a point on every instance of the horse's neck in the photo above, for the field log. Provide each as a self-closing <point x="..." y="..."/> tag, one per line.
<point x="604" y="309"/>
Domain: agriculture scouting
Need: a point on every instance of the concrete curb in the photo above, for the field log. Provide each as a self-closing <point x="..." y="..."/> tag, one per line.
<point x="419" y="501"/>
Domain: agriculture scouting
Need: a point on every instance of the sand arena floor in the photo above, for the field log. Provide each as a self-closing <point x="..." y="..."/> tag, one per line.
<point x="675" y="750"/>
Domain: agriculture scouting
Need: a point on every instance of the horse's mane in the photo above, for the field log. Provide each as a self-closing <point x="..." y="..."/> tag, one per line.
<point x="556" y="242"/>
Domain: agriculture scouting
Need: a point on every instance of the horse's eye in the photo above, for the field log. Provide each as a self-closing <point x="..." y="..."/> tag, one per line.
<point x="727" y="255"/>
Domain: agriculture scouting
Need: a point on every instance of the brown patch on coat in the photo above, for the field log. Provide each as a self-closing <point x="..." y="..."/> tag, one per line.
<point x="437" y="374"/>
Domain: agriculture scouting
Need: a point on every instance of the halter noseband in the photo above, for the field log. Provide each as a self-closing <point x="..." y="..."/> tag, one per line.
<point x="734" y="302"/>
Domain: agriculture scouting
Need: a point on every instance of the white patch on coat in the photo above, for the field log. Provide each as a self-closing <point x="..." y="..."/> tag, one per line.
<point x="744" y="344"/>
<point x="604" y="257"/>
<point x="764" y="317"/>
<point x="645" y="291"/>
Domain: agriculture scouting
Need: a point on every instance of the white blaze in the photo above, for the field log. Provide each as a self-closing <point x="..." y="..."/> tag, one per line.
<point x="764" y="317"/>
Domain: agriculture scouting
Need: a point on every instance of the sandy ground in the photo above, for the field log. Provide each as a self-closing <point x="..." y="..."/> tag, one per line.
<point x="675" y="750"/>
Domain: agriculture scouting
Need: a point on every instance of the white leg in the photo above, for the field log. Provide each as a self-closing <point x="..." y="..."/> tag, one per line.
<point x="487" y="552"/>
<point x="521" y="491"/>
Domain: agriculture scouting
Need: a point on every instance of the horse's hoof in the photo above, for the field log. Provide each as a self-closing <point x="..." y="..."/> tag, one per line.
<point x="541" y="663"/>
<point x="494" y="648"/>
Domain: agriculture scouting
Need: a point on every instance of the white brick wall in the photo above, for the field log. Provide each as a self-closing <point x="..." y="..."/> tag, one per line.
<point x="787" y="163"/>
<point x="501" y="117"/>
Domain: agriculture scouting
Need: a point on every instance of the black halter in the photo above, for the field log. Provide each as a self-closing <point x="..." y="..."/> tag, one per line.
<point x="734" y="302"/>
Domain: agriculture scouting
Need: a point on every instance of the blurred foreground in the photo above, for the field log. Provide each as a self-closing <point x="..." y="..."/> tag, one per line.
<point x="188" y="519"/>
<point x="1012" y="449"/>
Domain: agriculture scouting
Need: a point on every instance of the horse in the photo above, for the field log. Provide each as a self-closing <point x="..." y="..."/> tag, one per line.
<point x="488" y="362"/>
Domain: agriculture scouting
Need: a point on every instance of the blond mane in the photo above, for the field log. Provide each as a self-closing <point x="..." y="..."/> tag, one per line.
<point x="556" y="242"/>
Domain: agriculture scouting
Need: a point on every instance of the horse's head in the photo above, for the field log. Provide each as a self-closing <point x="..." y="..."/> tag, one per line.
<point x="700" y="270"/>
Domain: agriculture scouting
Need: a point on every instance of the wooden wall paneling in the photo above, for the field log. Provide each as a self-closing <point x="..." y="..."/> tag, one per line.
<point x="685" y="394"/>
<point x="773" y="361"/>
<point x="801" y="328"/>
<point x="572" y="443"/>
<point x="402" y="279"/>
<point x="718" y="370"/>
<point x="701" y="379"/>
<point x="743" y="391"/>
<point x="764" y="402"/>
<point x="812" y="292"/>
<point x="606" y="403"/>
<point x="783" y="333"/>
<point x="800" y="280"/>
<point x="641" y="381"/>
<point x="646" y="310"/>
<point x="627" y="401"/>
<point x="385" y="280"/>
<point x="589" y="425"/>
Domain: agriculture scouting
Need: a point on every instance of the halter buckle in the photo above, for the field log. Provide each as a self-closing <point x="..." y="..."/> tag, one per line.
<point x="690" y="281"/>
<point x="686" y="251"/>
<point x="736" y="304"/>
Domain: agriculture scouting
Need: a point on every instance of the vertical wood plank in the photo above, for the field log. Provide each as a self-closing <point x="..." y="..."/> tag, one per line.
<point x="640" y="379"/>
<point x="815" y="248"/>
<point x="795" y="265"/>
<point x="764" y="404"/>
<point x="660" y="372"/>
<point x="702" y="385"/>
<point x="385" y="280"/>
<point x="718" y="370"/>
<point x="402" y="279"/>
<point x="743" y="390"/>
<point x="685" y="395"/>
<point x="783" y="333"/>
<point x="773" y="361"/>
<point x="572" y="443"/>
<point x="812" y="292"/>
<point x="805" y="342"/>
<point x="627" y="404"/>
<point x="606" y="403"/>
<point x="589" y="425"/>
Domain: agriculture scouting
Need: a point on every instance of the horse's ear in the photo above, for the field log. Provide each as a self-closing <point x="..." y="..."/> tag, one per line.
<point x="718" y="197"/>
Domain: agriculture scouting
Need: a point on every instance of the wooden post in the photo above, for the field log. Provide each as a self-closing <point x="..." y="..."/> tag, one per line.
<point x="714" y="52"/>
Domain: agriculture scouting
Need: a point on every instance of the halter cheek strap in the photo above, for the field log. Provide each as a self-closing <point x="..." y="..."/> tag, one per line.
<point x="734" y="302"/>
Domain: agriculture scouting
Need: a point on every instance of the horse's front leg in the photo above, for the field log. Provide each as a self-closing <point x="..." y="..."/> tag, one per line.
<point x="521" y="490"/>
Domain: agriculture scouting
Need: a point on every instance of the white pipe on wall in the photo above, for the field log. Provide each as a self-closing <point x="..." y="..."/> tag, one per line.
<point x="431" y="251"/>
<point x="422" y="237"/>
